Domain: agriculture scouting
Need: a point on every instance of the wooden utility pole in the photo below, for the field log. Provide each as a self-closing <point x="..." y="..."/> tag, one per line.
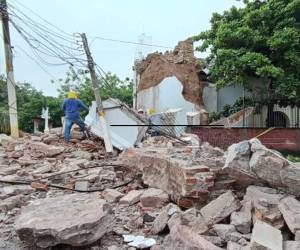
<point x="100" y="110"/>
<point x="11" y="90"/>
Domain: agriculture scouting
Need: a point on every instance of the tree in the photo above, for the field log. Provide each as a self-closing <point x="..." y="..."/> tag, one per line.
<point x="31" y="101"/>
<point x="110" y="86"/>
<point x="260" y="40"/>
<point x="30" y="104"/>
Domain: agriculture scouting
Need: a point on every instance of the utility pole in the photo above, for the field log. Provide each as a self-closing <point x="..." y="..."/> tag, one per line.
<point x="100" y="110"/>
<point x="11" y="90"/>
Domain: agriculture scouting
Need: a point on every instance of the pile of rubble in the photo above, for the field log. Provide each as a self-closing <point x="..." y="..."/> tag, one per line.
<point x="159" y="195"/>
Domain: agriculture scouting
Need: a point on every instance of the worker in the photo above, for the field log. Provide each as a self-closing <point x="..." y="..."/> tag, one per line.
<point x="71" y="107"/>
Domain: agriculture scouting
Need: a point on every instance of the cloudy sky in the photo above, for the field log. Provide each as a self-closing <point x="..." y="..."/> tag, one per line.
<point x="164" y="23"/>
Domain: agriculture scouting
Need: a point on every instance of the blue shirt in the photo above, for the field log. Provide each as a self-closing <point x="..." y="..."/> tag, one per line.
<point x="72" y="107"/>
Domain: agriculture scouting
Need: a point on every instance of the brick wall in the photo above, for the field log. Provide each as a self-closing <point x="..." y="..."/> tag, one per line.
<point x="281" y="139"/>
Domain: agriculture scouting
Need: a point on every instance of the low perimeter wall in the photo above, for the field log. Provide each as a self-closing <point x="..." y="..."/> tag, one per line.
<point x="281" y="139"/>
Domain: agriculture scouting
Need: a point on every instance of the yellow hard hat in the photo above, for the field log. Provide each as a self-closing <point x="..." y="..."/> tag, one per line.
<point x="72" y="95"/>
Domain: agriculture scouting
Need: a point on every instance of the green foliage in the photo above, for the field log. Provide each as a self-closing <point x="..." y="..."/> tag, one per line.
<point x="31" y="101"/>
<point x="231" y="109"/>
<point x="260" y="40"/>
<point x="111" y="86"/>
<point x="30" y="104"/>
<point x="293" y="158"/>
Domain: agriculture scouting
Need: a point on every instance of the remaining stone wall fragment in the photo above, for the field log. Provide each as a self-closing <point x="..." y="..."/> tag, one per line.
<point x="265" y="237"/>
<point x="220" y="208"/>
<point x="209" y="156"/>
<point x="154" y="197"/>
<point x="172" y="171"/>
<point x="183" y="237"/>
<point x="242" y="220"/>
<point x="74" y="219"/>
<point x="131" y="197"/>
<point x="290" y="209"/>
<point x="181" y="63"/>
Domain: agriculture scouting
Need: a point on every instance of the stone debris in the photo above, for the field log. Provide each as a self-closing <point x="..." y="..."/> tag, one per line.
<point x="177" y="171"/>
<point x="242" y="220"/>
<point x="266" y="237"/>
<point x="250" y="162"/>
<point x="11" y="202"/>
<point x="132" y="197"/>
<point x="154" y="197"/>
<point x="47" y="150"/>
<point x="290" y="209"/>
<point x="74" y="219"/>
<point x="291" y="245"/>
<point x="112" y="195"/>
<point x="235" y="246"/>
<point x="4" y="139"/>
<point x="182" y="237"/>
<point x="160" y="195"/>
<point x="161" y="221"/>
<point x="220" y="208"/>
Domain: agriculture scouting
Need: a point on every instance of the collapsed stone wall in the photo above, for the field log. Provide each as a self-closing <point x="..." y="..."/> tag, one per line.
<point x="180" y="63"/>
<point x="187" y="174"/>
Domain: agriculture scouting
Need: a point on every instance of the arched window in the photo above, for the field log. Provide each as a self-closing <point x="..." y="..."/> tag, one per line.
<point x="278" y="119"/>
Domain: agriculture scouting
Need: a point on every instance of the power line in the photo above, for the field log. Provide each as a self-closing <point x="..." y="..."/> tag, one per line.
<point x="33" y="48"/>
<point x="129" y="42"/>
<point x="43" y="19"/>
<point x="34" y="60"/>
<point x="49" y="50"/>
<point x="37" y="27"/>
<point x="50" y="46"/>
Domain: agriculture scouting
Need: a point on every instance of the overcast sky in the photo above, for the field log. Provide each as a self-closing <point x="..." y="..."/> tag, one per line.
<point x="165" y="22"/>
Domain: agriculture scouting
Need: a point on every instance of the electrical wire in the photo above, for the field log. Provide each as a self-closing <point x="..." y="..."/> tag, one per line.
<point x="94" y="38"/>
<point x="30" y="182"/>
<point x="44" y="33"/>
<point x="35" y="51"/>
<point x="46" y="21"/>
<point x="37" y="63"/>
<point x="129" y="42"/>
<point x="50" y="46"/>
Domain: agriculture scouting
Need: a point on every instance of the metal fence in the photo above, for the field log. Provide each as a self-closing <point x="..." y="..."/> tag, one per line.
<point x="262" y="116"/>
